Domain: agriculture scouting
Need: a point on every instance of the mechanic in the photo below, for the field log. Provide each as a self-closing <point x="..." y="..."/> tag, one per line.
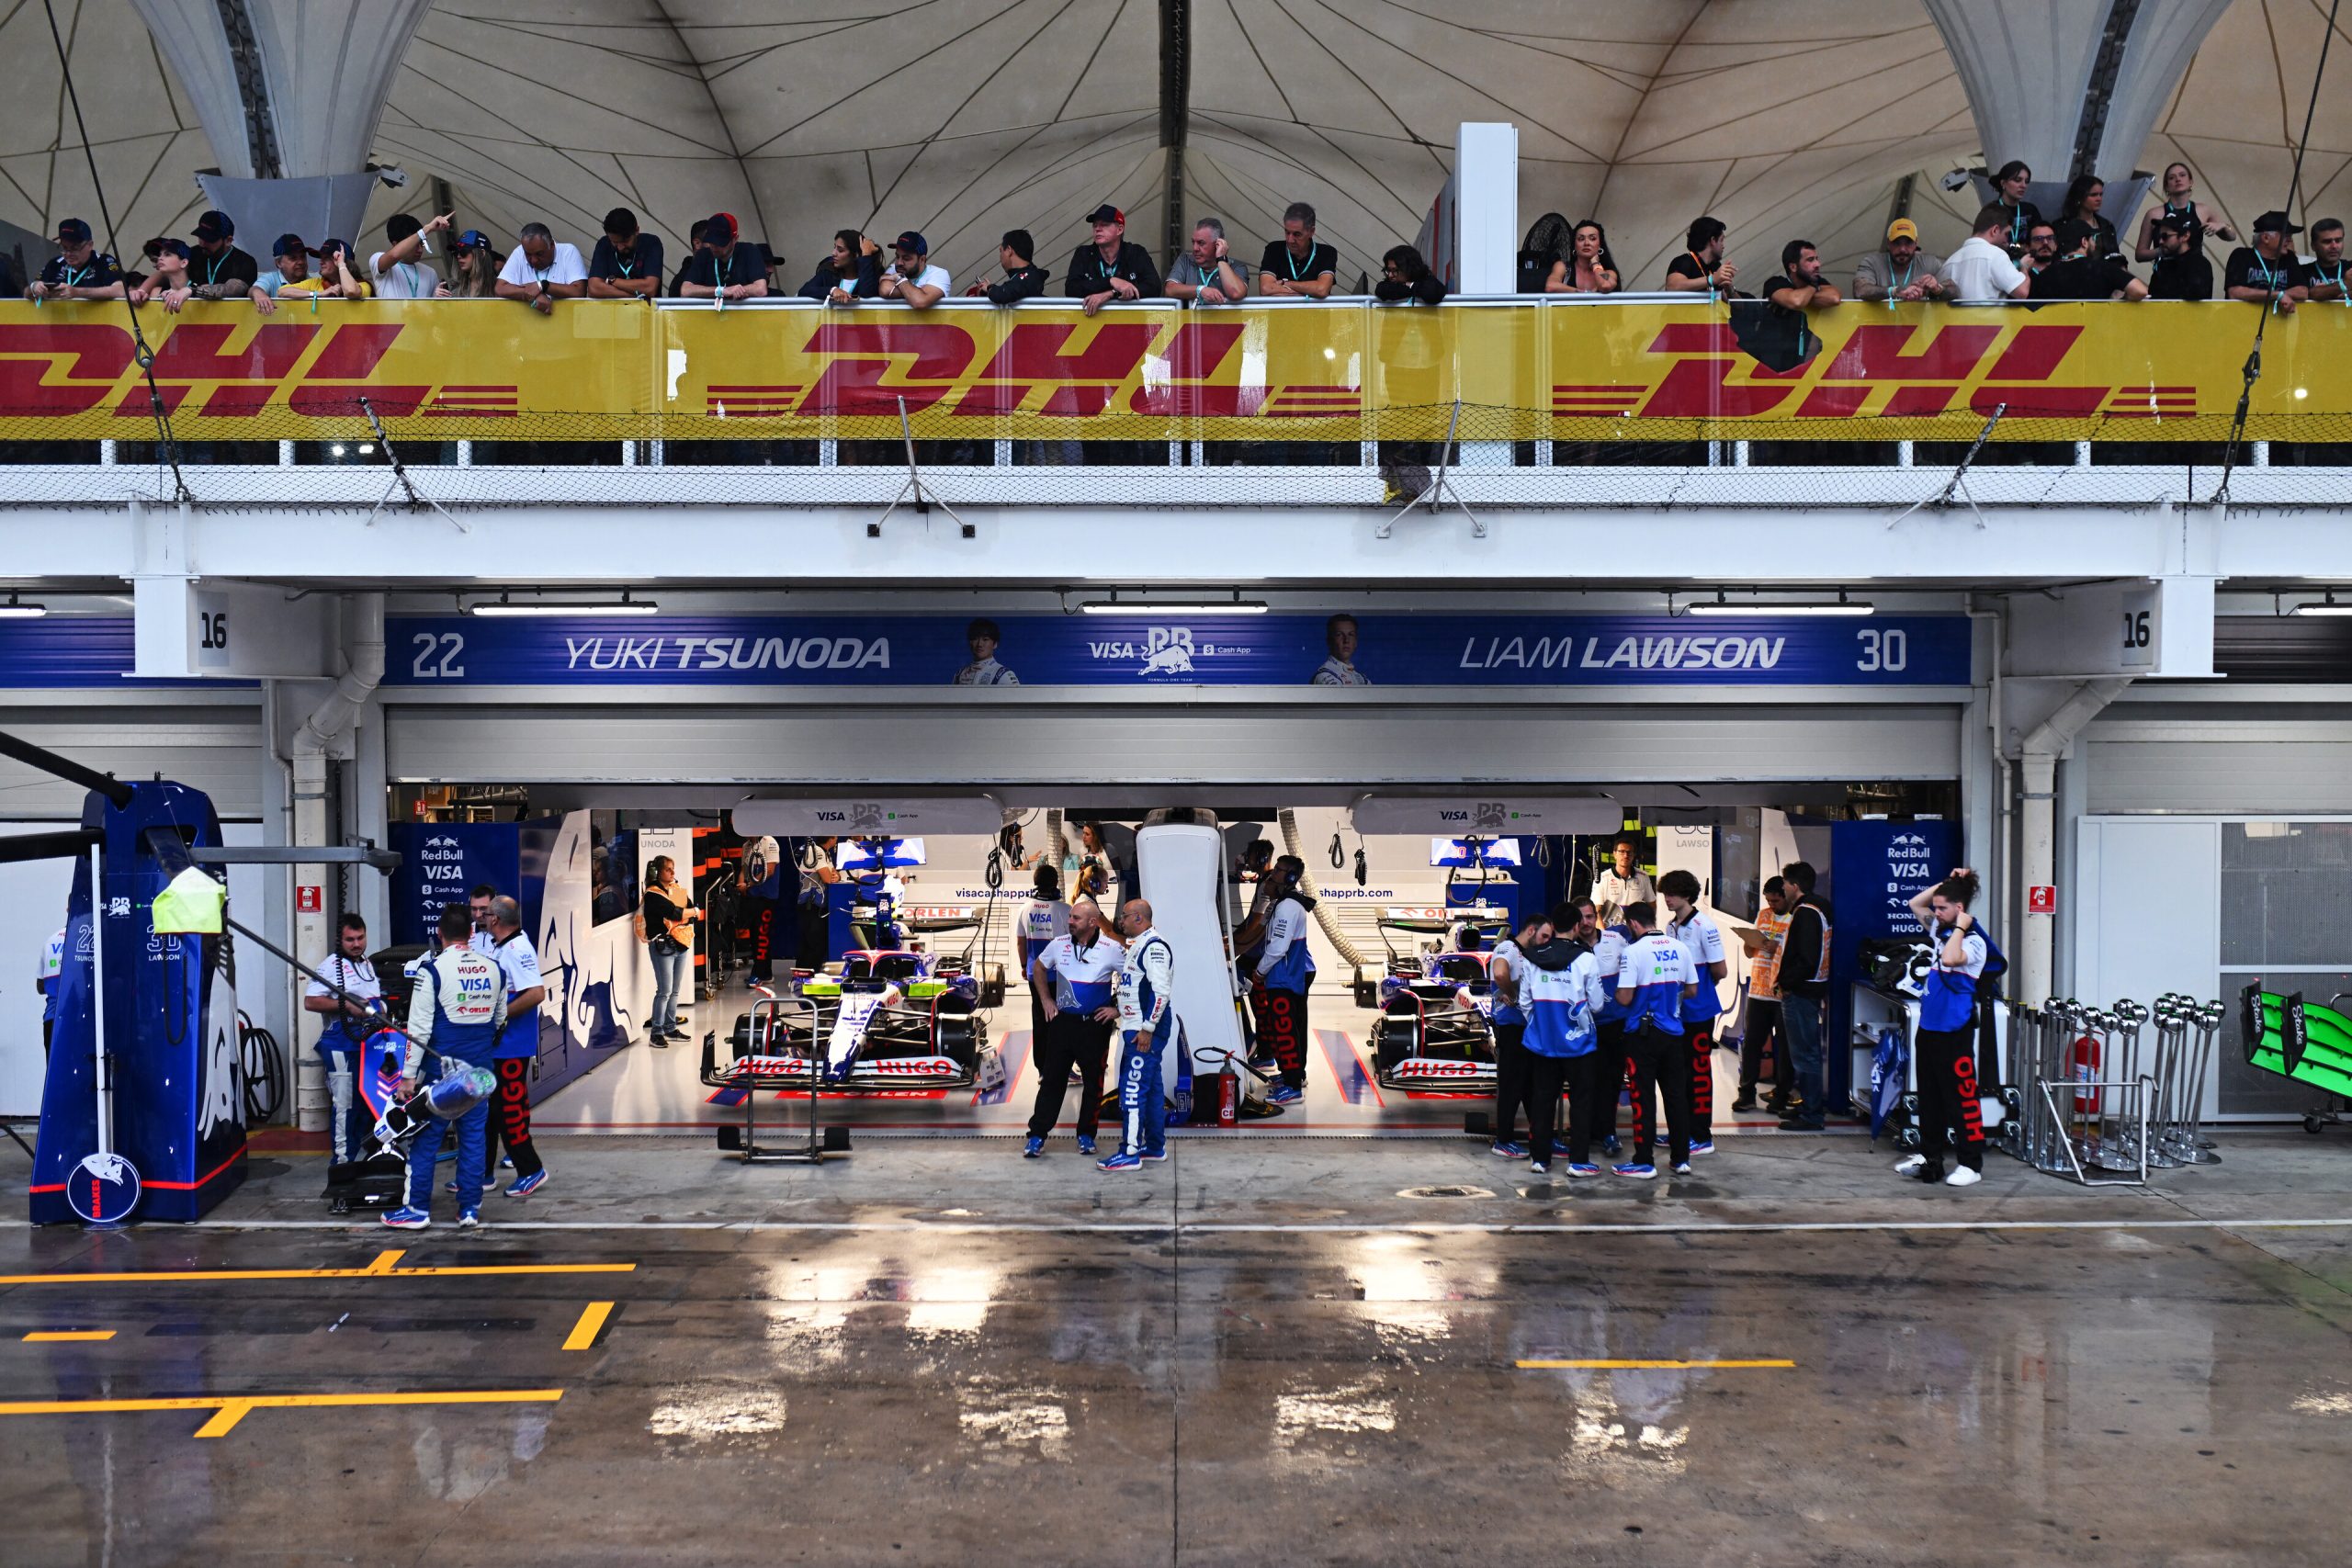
<point x="815" y="902"/>
<point x="760" y="881"/>
<point x="1609" y="1023"/>
<point x="1764" y="1003"/>
<point x="1075" y="979"/>
<point x="1943" y="1047"/>
<point x="1146" y="981"/>
<point x="1703" y="941"/>
<point x="1510" y="1024"/>
<point x="459" y="1008"/>
<point x="350" y="1019"/>
<point x="1561" y="994"/>
<point x="1803" y="979"/>
<point x="1284" y="970"/>
<point x="1046" y="918"/>
<point x="516" y="1058"/>
<point x="1623" y="883"/>
<point x="1654" y="977"/>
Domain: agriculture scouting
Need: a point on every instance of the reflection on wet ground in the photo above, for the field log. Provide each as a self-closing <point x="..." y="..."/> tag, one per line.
<point x="1197" y="1395"/>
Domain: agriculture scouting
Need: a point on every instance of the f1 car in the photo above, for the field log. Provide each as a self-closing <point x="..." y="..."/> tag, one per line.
<point x="891" y="1019"/>
<point x="932" y="925"/>
<point x="1410" y="936"/>
<point x="1436" y="1032"/>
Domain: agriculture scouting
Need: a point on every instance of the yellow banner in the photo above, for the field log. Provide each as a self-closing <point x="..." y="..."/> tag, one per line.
<point x="1352" y="372"/>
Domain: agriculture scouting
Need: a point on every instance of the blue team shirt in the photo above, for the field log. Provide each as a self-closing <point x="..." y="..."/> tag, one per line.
<point x="1562" y="1006"/>
<point x="1655" y="968"/>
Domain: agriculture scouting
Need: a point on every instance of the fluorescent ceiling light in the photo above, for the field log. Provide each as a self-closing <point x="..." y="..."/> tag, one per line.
<point x="1841" y="605"/>
<point x="1237" y="605"/>
<point x="2328" y="606"/>
<point x="506" y="605"/>
<point x="15" y="610"/>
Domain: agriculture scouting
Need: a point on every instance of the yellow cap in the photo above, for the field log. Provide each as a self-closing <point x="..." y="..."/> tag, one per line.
<point x="1902" y="229"/>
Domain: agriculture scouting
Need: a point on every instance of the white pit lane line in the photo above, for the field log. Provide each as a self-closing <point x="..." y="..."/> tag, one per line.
<point x="1163" y="1227"/>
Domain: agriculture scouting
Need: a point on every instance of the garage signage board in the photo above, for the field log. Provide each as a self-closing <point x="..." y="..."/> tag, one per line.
<point x="1504" y="650"/>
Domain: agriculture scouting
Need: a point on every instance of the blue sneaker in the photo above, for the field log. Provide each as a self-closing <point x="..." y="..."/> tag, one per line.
<point x="529" y="1184"/>
<point x="1682" y="1169"/>
<point x="408" y="1219"/>
<point x="1034" y="1149"/>
<point x="1636" y="1172"/>
<point x="1157" y="1157"/>
<point x="468" y="1220"/>
<point x="1120" y="1161"/>
<point x="1504" y="1148"/>
<point x="1560" y="1148"/>
<point x="451" y="1188"/>
<point x="1580" y="1168"/>
<point x="1704" y="1146"/>
<point x="1085" y="1145"/>
<point x="1610" y="1145"/>
<point x="1285" y="1094"/>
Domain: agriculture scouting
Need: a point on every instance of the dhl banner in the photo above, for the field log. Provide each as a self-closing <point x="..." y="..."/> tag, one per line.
<point x="611" y="371"/>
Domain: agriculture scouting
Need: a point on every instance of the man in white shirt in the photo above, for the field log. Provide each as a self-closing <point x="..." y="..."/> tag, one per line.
<point x="910" y="278"/>
<point x="1980" y="272"/>
<point x="516" y="1050"/>
<point x="399" y="269"/>
<point x="348" y="1020"/>
<point x="1623" y="883"/>
<point x="1076" y="980"/>
<point x="1340" y="642"/>
<point x="541" y="271"/>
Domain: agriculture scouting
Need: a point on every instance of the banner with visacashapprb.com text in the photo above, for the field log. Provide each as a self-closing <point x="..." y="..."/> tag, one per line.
<point x="1351" y="370"/>
<point x="1508" y="649"/>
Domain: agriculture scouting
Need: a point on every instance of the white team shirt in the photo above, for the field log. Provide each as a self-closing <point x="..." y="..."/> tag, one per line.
<point x="1654" y="960"/>
<point x="1972" y="951"/>
<point x="1286" y="925"/>
<point x="1096" y="968"/>
<point x="1612" y="893"/>
<point x="1980" y="272"/>
<point x="1338" y="671"/>
<point x="520" y="961"/>
<point x="405" y="280"/>
<point x="356" y="975"/>
<point x="986" y="672"/>
<point x="1700" y="939"/>
<point x="568" y="267"/>
<point x="52" y="956"/>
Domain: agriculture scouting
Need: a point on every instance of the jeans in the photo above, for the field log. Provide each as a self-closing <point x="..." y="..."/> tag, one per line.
<point x="669" y="981"/>
<point x="1143" y="1104"/>
<point x="1801" y="1023"/>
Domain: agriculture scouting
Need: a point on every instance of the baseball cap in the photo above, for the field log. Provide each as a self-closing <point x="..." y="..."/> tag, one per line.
<point x="1018" y="242"/>
<point x="2274" y="222"/>
<point x="214" y="225"/>
<point x="620" y="220"/>
<point x="73" y="231"/>
<point x="328" y="247"/>
<point x="2073" y="232"/>
<point x="288" y="245"/>
<point x="1106" y="213"/>
<point x="471" y="240"/>
<point x="2177" y="222"/>
<point x="1902" y="229"/>
<point x="910" y="240"/>
<point x="177" y="248"/>
<point x="718" y="229"/>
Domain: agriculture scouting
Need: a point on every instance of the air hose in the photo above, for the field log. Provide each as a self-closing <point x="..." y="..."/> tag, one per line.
<point x="1323" y="915"/>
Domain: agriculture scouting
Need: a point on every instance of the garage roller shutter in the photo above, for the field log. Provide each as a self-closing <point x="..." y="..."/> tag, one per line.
<point x="214" y="747"/>
<point x="2234" y="762"/>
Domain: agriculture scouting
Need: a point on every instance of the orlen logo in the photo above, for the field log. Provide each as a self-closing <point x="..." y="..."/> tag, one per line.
<point x="1889" y="370"/>
<point x="319" y="371"/>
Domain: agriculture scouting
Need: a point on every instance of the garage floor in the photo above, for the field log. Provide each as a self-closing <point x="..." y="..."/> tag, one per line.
<point x="1263" y="1350"/>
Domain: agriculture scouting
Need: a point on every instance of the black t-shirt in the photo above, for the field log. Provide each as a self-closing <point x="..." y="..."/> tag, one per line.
<point x="644" y="259"/>
<point x="745" y="264"/>
<point x="1322" y="259"/>
<point x="231" y="275"/>
<point x="1089" y="276"/>
<point x="2081" y="278"/>
<point x="2186" y="276"/>
<point x="1686" y="265"/>
<point x="2023" y="217"/>
<point x="2248" y="270"/>
<point x="96" y="273"/>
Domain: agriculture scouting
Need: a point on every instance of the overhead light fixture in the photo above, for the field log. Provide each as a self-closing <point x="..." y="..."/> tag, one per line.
<point x="505" y="604"/>
<point x="1841" y="605"/>
<point x="1114" y="605"/>
<point x="17" y="610"/>
<point x="2328" y="606"/>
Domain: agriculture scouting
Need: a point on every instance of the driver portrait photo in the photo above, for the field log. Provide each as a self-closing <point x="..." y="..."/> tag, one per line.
<point x="982" y="638"/>
<point x="1340" y="642"/>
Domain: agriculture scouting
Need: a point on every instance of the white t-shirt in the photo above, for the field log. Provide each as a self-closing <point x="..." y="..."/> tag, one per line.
<point x="356" y="975"/>
<point x="403" y="280"/>
<point x="568" y="267"/>
<point x="933" y="276"/>
<point x="1980" y="272"/>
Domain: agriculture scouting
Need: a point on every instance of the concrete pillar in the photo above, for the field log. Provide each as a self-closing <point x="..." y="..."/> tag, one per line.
<point x="2037" y="825"/>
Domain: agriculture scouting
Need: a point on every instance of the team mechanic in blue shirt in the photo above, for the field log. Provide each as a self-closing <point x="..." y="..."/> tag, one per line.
<point x="1559" y="992"/>
<point x="1653" y="977"/>
<point x="458" y="1008"/>
<point x="1943" y="1048"/>
<point x="1146" y="1020"/>
<point x="1285" y="969"/>
<point x="1075" y="978"/>
<point x="1703" y="941"/>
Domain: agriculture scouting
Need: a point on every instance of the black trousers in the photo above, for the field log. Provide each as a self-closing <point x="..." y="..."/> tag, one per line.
<point x="808" y="934"/>
<point x="1591" y="1082"/>
<point x="760" y="915"/>
<point x="1070" y="1040"/>
<point x="1763" y="1026"/>
<point x="1510" y="1081"/>
<point x="1282" y="1028"/>
<point x="1948" y="1098"/>
<point x="510" y="1118"/>
<point x="1661" y="1065"/>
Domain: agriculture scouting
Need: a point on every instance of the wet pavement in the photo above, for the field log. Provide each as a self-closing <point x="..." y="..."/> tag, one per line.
<point x="1270" y="1352"/>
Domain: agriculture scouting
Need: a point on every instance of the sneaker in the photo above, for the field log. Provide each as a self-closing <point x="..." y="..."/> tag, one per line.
<point x="1157" y="1157"/>
<point x="408" y="1219"/>
<point x="1286" y="1094"/>
<point x="1909" y="1164"/>
<point x="1559" y="1148"/>
<point x="1580" y="1168"/>
<point x="1537" y="1167"/>
<point x="1682" y="1169"/>
<point x="1085" y="1145"/>
<point x="468" y="1220"/>
<point x="1120" y="1161"/>
<point x="1610" y="1145"/>
<point x="451" y="1188"/>
<point x="1963" y="1176"/>
<point x="1636" y="1172"/>
<point x="529" y="1184"/>
<point x="1704" y="1146"/>
<point x="1504" y="1148"/>
<point x="1745" y="1103"/>
<point x="1034" y="1149"/>
<point x="1799" y="1124"/>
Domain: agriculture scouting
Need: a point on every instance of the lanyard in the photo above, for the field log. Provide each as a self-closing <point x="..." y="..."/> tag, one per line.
<point x="2270" y="274"/>
<point x="1894" y="284"/>
<point x="1706" y="274"/>
<point x="72" y="279"/>
<point x="2017" y="224"/>
<point x="2319" y="274"/>
<point x="1287" y="262"/>
<point x="629" y="267"/>
<point x="212" y="270"/>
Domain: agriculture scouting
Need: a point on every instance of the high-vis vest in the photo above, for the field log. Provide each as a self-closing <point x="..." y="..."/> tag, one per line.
<point x="469" y="992"/>
<point x="1654" y="969"/>
<point x="1562" y="1006"/>
<point x="1949" y="1001"/>
<point x="1085" y="978"/>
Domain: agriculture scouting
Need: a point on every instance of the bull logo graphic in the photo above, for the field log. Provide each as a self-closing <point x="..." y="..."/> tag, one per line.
<point x="1167" y="651"/>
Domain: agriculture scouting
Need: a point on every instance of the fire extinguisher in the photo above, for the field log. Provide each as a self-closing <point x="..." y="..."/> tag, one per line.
<point x="2084" y="1068"/>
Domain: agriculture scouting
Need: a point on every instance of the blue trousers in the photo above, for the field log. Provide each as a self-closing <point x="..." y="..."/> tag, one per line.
<point x="1801" y="1022"/>
<point x="669" y="984"/>
<point x="473" y="1133"/>
<point x="1143" y="1104"/>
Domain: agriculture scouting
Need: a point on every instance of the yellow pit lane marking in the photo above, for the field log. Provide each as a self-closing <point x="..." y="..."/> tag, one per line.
<point x="592" y="1322"/>
<point x="230" y="1409"/>
<point x="66" y="1336"/>
<point x="384" y="1267"/>
<point x="1652" y="1366"/>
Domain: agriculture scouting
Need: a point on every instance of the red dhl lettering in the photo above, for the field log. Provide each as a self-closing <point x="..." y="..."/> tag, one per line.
<point x="1904" y="371"/>
<point x="320" y="371"/>
<point x="871" y="368"/>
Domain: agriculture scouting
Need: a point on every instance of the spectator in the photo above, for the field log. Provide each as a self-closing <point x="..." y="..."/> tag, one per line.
<point x="1295" y="265"/>
<point x="170" y="282"/>
<point x="1205" y="275"/>
<point x="2325" y="273"/>
<point x="2041" y="248"/>
<point x="2085" y="196"/>
<point x="1763" y="1024"/>
<point x="1902" y="271"/>
<point x="1980" y="272"/>
<point x="336" y="274"/>
<point x="541" y="271"/>
<point x="347" y="1019"/>
<point x="516" y="1051"/>
<point x="2267" y="271"/>
<point x="1587" y="268"/>
<point x="2180" y="270"/>
<point x="218" y="269"/>
<point x="2023" y="215"/>
<point x="697" y="245"/>
<point x="1622" y="884"/>
<point x="852" y="270"/>
<point x="1803" y="979"/>
<point x="726" y="268"/>
<point x="1023" y="280"/>
<point x="1799" y="287"/>
<point x="456" y="1007"/>
<point x="1112" y="266"/>
<point x="79" y="270"/>
<point x="2178" y="203"/>
<point x="912" y="277"/>
<point x="1074" y="981"/>
<point x="472" y="275"/>
<point x="626" y="264"/>
<point x="398" y="272"/>
<point x="290" y="263"/>
<point x="1702" y="266"/>
<point x="2083" y="271"/>
<point x="1406" y="277"/>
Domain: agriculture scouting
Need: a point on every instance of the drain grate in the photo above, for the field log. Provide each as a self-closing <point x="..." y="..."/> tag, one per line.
<point x="1446" y="1192"/>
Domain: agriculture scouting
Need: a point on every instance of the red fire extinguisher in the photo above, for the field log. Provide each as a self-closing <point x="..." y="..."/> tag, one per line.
<point x="1228" y="1099"/>
<point x="2085" y="1065"/>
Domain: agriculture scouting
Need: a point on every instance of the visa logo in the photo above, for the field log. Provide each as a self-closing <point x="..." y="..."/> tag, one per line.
<point x="1454" y="816"/>
<point x="832" y="817"/>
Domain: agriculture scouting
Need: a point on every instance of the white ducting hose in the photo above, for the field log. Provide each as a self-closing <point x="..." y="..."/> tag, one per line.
<point x="1323" y="915"/>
